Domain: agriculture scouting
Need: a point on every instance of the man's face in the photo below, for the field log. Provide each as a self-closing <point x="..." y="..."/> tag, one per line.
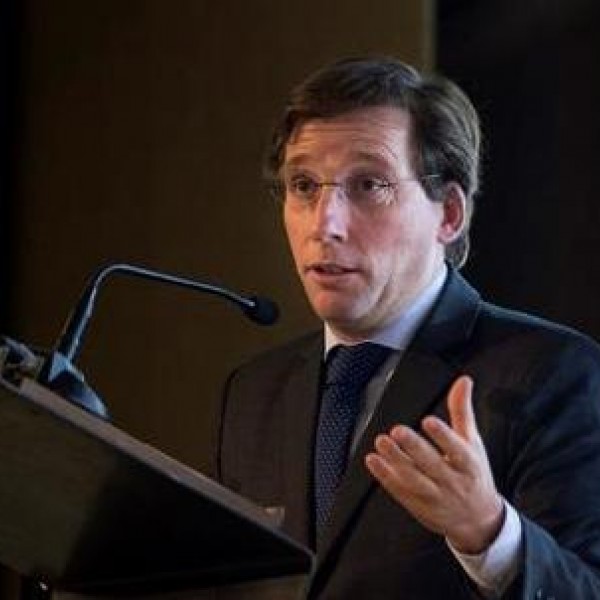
<point x="362" y="263"/>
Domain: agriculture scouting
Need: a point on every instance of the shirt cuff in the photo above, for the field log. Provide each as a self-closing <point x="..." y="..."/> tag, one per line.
<point x="494" y="569"/>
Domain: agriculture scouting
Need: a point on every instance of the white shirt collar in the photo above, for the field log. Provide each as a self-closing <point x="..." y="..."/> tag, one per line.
<point x="399" y="333"/>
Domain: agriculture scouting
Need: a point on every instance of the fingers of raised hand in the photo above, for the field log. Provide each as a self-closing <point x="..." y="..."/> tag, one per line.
<point x="456" y="453"/>
<point x="460" y="407"/>
<point x="395" y="464"/>
<point x="420" y="451"/>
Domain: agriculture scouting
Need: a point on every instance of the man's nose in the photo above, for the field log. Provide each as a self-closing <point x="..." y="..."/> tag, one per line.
<point x="331" y="214"/>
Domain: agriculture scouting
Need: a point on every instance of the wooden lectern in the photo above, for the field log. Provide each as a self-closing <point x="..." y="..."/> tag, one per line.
<point x="94" y="513"/>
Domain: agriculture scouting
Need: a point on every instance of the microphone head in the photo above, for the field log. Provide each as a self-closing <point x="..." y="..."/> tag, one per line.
<point x="262" y="310"/>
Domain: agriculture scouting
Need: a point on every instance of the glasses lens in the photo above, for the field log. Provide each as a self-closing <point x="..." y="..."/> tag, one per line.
<point x="368" y="189"/>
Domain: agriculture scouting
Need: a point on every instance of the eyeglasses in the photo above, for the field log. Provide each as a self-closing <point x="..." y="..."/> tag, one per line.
<point x="360" y="189"/>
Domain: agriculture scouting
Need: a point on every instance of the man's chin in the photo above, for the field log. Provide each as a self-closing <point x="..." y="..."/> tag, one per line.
<point x="335" y="311"/>
<point x="340" y="318"/>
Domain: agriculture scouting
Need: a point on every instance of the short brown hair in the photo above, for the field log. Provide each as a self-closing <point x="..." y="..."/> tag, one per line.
<point x="446" y="134"/>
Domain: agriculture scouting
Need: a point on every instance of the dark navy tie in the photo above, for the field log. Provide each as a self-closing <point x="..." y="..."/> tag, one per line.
<point x="347" y="372"/>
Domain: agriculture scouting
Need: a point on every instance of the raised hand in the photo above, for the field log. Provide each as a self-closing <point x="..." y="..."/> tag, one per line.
<point x="443" y="477"/>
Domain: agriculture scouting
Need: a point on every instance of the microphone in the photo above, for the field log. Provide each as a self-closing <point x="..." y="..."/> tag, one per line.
<point x="58" y="372"/>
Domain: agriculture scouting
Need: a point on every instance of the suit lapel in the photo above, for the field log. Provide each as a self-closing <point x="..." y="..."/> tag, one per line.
<point x="419" y="382"/>
<point x="301" y="397"/>
<point x="417" y="387"/>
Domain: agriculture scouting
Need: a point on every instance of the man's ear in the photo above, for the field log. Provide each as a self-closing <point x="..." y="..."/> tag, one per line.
<point x="454" y="217"/>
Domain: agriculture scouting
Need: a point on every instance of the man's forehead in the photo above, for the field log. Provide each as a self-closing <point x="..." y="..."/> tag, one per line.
<point x="361" y="119"/>
<point x="374" y="133"/>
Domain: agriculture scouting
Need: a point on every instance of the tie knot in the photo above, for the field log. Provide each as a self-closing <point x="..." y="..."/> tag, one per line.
<point x="353" y="366"/>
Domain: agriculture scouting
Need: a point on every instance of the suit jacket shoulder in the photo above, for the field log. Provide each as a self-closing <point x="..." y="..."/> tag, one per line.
<point x="266" y="429"/>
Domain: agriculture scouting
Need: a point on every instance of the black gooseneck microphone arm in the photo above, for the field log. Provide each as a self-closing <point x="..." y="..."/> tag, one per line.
<point x="58" y="371"/>
<point x="260" y="310"/>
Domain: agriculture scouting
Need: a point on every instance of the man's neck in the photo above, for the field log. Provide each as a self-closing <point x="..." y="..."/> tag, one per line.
<point x="398" y="331"/>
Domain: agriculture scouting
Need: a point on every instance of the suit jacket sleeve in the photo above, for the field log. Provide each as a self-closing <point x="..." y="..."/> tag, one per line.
<point x="553" y="477"/>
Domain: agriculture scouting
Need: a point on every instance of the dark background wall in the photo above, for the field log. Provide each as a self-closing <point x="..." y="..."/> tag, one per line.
<point x="532" y="69"/>
<point x="140" y="130"/>
<point x="9" y="43"/>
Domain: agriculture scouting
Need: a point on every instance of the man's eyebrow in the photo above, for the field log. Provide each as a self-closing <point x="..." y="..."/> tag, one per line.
<point x="297" y="160"/>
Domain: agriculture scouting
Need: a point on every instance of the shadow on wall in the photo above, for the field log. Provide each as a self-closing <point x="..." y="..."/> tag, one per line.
<point x="532" y="73"/>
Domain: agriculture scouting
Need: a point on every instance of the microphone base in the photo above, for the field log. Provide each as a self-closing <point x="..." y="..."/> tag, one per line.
<point x="59" y="375"/>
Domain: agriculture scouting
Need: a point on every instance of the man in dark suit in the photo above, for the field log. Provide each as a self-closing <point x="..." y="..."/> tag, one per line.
<point x="471" y="447"/>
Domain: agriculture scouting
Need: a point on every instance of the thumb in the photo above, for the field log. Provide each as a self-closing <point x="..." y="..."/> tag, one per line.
<point x="460" y="407"/>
